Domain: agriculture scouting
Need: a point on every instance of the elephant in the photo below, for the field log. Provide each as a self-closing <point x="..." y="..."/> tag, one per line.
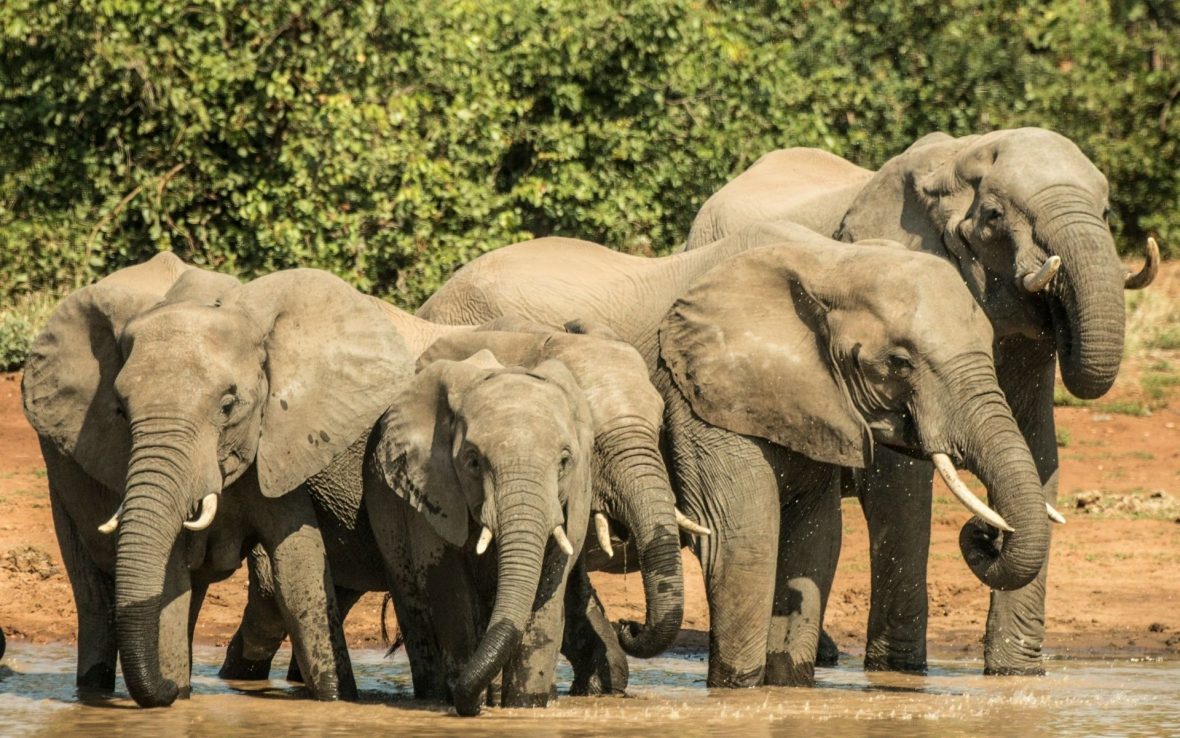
<point x="2" y="644"/>
<point x="632" y="493"/>
<point x="782" y="363"/>
<point x="473" y="447"/>
<point x="1023" y="215"/>
<point x="197" y="409"/>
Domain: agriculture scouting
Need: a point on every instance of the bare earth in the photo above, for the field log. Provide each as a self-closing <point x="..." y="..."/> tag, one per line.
<point x="1114" y="587"/>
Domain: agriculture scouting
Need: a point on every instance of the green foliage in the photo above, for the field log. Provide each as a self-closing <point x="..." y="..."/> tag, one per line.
<point x="392" y="142"/>
<point x="1062" y="397"/>
<point x="19" y="325"/>
<point x="1063" y="437"/>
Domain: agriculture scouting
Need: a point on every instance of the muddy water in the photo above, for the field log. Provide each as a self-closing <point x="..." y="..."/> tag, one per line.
<point x="1112" y="698"/>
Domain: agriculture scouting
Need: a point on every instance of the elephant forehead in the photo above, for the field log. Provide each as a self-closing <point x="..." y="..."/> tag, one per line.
<point x="516" y="408"/>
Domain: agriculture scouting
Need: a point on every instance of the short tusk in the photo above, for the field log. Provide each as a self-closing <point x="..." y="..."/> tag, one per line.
<point x="1150" y="268"/>
<point x="1040" y="279"/>
<point x="205" y="513"/>
<point x="942" y="462"/>
<point x="562" y="542"/>
<point x="602" y="530"/>
<point x="485" y="539"/>
<point x="689" y="525"/>
<point x="109" y="527"/>
<point x="1055" y="516"/>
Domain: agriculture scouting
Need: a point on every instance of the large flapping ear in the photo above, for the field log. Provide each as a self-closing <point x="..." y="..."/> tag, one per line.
<point x="900" y="202"/>
<point x="415" y="451"/>
<point x="747" y="348"/>
<point x="68" y="389"/>
<point x="333" y="363"/>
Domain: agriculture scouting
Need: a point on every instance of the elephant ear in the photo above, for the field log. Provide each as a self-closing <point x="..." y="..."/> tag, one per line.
<point x="68" y="388"/>
<point x="747" y="347"/>
<point x="415" y="451"/>
<point x="902" y="201"/>
<point x="333" y="363"/>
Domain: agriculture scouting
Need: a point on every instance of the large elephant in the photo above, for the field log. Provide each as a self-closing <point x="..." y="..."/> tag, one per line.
<point x="779" y="366"/>
<point x="195" y="408"/>
<point x="472" y="454"/>
<point x="631" y="494"/>
<point x="1022" y="214"/>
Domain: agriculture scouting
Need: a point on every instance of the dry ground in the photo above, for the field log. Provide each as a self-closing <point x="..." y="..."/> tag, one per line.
<point x="1113" y="586"/>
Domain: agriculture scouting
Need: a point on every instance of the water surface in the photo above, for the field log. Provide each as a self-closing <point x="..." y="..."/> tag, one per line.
<point x="668" y="698"/>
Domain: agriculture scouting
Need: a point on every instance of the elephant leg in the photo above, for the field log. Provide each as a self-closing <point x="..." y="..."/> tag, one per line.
<point x="261" y="631"/>
<point x="530" y="676"/>
<point x="828" y="652"/>
<point x="896" y="499"/>
<point x="306" y="596"/>
<point x="175" y="642"/>
<point x="590" y="645"/>
<point x="94" y="589"/>
<point x="346" y="599"/>
<point x="1015" y="632"/>
<point x="808" y="550"/>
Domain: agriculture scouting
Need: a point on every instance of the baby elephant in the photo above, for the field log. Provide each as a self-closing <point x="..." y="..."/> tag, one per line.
<point x="478" y="490"/>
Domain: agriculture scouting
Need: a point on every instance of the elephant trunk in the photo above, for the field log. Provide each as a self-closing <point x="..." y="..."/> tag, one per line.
<point x="636" y="472"/>
<point x="153" y="513"/>
<point x="995" y="451"/>
<point x="521" y="538"/>
<point x="1086" y="299"/>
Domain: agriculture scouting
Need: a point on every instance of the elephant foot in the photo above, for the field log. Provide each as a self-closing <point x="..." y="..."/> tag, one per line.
<point x="723" y="676"/>
<point x="893" y="656"/>
<point x="782" y="670"/>
<point x="540" y="699"/>
<point x="99" y="680"/>
<point x="237" y="666"/>
<point x="828" y="653"/>
<point x="1030" y="670"/>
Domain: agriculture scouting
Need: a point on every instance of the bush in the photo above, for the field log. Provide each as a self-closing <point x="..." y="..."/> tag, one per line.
<point x="392" y="142"/>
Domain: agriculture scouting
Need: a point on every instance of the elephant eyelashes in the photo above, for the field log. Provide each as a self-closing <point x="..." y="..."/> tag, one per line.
<point x="228" y="402"/>
<point x="471" y="463"/>
<point x="566" y="461"/>
<point x="900" y="366"/>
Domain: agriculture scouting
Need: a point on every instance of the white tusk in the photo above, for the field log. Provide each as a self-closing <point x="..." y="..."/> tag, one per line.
<point x="1055" y="516"/>
<point x="205" y="513"/>
<point x="562" y="542"/>
<point x="942" y="462"/>
<point x="1150" y="268"/>
<point x="109" y="527"/>
<point x="689" y="525"/>
<point x="485" y="539"/>
<point x="602" y="530"/>
<point x="1039" y="280"/>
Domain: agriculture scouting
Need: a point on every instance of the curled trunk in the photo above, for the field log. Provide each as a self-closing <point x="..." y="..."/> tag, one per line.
<point x="521" y="539"/>
<point x="995" y="451"/>
<point x="1086" y="300"/>
<point x="646" y="505"/>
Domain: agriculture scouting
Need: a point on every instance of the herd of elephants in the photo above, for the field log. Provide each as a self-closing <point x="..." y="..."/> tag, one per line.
<point x="557" y="406"/>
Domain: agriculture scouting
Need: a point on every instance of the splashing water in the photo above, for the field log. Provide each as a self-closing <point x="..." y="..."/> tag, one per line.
<point x="667" y="698"/>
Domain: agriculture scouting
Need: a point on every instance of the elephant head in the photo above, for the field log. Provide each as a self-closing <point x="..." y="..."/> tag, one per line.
<point x="827" y="351"/>
<point x="1013" y="208"/>
<point x="488" y="453"/>
<point x="630" y="479"/>
<point x="174" y="399"/>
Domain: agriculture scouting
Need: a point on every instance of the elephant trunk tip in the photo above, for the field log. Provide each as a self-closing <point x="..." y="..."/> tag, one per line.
<point x="501" y="640"/>
<point x="977" y="544"/>
<point x="644" y="641"/>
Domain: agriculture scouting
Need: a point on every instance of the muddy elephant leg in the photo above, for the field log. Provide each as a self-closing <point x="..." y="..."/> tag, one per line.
<point x="590" y="645"/>
<point x="828" y="652"/>
<point x="303" y="587"/>
<point x="1015" y="632"/>
<point x="94" y="589"/>
<point x="346" y="599"/>
<point x="809" y="547"/>
<point x="175" y="642"/>
<point x="530" y="676"/>
<point x="896" y="497"/>
<point x="251" y="651"/>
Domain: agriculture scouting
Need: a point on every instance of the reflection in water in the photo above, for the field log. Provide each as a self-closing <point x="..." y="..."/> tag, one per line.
<point x="1114" y="698"/>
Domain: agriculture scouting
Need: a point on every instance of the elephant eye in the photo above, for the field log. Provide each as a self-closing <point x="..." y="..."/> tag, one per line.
<point x="228" y="403"/>
<point x="989" y="215"/>
<point x="900" y="366"/>
<point x="1106" y="214"/>
<point x="471" y="462"/>
<point x="567" y="458"/>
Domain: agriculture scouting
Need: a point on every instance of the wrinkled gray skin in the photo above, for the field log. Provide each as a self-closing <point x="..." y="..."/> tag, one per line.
<point x="779" y="366"/>
<point x="631" y="488"/>
<point x="472" y="445"/>
<point x="163" y="384"/>
<point x="995" y="206"/>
